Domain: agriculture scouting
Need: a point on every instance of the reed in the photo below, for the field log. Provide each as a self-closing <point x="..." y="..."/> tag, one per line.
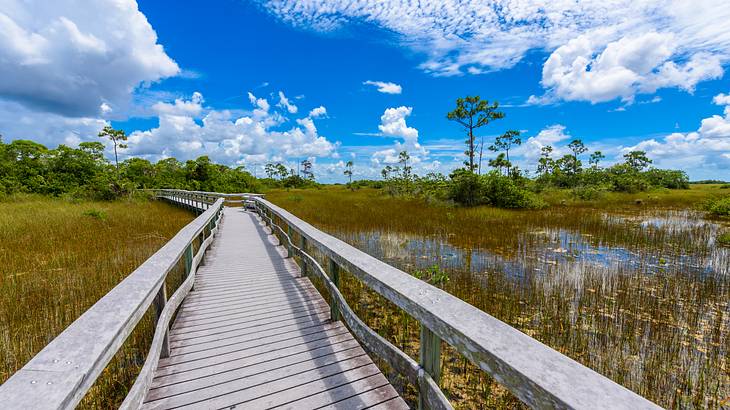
<point x="637" y="292"/>
<point x="57" y="258"/>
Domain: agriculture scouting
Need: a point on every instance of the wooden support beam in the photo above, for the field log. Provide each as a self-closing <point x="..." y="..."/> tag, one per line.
<point x="303" y="247"/>
<point x="334" y="271"/>
<point x="160" y="302"/>
<point x="429" y="358"/>
<point x="289" y="242"/>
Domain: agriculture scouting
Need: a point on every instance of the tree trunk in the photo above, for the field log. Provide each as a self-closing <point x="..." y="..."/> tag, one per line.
<point x="116" y="159"/>
<point x="471" y="149"/>
<point x="481" y="152"/>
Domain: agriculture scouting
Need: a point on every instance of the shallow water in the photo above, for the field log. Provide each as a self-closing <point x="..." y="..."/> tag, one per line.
<point x="647" y="307"/>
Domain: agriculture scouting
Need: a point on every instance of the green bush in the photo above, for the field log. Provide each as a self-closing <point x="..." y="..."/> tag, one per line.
<point x="96" y="214"/>
<point x="466" y="188"/>
<point x="724" y="239"/>
<point x="589" y="193"/>
<point x="719" y="207"/>
<point x="505" y="192"/>
<point x="667" y="178"/>
<point x="493" y="188"/>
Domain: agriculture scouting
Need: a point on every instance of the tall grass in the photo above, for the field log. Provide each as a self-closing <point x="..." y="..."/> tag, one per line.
<point x="637" y="291"/>
<point x="57" y="258"/>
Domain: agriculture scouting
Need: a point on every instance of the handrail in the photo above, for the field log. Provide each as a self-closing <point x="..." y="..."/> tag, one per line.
<point x="536" y="374"/>
<point x="431" y="395"/>
<point x="60" y="374"/>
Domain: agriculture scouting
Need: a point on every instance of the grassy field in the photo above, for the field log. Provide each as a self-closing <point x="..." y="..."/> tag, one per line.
<point x="634" y="286"/>
<point x="58" y="258"/>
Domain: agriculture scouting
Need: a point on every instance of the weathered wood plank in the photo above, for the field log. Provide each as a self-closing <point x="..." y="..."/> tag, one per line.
<point x="256" y="375"/>
<point x="266" y="344"/>
<point x="361" y="394"/>
<point x="248" y="333"/>
<point x="538" y="375"/>
<point x="282" y="332"/>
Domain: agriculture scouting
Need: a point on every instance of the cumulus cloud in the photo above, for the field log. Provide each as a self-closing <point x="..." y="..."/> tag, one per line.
<point x="551" y="135"/>
<point x="19" y="122"/>
<point x="704" y="153"/>
<point x="226" y="137"/>
<point x="589" y="69"/>
<point x="284" y="102"/>
<point x="690" y="39"/>
<point x="318" y="112"/>
<point x="393" y="124"/>
<point x="385" y="87"/>
<point x="77" y="61"/>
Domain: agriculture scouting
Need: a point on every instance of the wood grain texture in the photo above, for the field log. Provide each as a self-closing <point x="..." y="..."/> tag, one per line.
<point x="538" y="375"/>
<point x="255" y="333"/>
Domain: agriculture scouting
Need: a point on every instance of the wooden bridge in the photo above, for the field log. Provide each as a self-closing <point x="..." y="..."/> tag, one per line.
<point x="247" y="329"/>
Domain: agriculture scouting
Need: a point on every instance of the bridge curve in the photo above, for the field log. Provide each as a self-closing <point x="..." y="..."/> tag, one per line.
<point x="250" y="330"/>
<point x="255" y="333"/>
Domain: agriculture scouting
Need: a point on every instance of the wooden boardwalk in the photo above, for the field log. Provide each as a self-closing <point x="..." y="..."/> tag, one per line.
<point x="255" y="334"/>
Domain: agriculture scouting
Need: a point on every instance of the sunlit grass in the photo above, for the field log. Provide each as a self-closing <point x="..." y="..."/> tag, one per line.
<point x="57" y="258"/>
<point x="633" y="286"/>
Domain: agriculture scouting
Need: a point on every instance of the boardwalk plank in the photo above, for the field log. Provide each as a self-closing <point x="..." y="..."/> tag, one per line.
<point x="255" y="334"/>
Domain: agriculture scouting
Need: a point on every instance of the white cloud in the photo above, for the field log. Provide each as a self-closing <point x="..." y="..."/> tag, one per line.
<point x="19" y="122"/>
<point x="393" y="124"/>
<point x="721" y="99"/>
<point x="588" y="68"/>
<point x="318" y="112"/>
<point x="690" y="39"/>
<point x="530" y="150"/>
<point x="76" y="60"/>
<point x="704" y="153"/>
<point x="385" y="87"/>
<point x="226" y="137"/>
<point x="180" y="107"/>
<point x="284" y="102"/>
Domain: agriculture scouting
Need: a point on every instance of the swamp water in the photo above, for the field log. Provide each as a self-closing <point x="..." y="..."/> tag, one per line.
<point x="639" y="295"/>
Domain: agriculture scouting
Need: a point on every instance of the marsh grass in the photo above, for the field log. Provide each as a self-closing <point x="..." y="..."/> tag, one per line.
<point x="59" y="257"/>
<point x="639" y="293"/>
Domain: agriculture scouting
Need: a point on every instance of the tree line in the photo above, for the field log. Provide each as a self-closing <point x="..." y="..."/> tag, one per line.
<point x="504" y="184"/>
<point x="30" y="167"/>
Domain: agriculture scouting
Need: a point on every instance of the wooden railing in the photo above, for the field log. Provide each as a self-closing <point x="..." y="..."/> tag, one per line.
<point x="536" y="374"/>
<point x="59" y="376"/>
<point x="200" y="200"/>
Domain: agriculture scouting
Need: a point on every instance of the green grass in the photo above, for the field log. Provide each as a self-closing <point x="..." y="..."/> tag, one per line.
<point x="58" y="258"/>
<point x="645" y="318"/>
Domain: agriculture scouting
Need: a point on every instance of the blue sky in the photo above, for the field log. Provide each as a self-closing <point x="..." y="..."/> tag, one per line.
<point x="187" y="79"/>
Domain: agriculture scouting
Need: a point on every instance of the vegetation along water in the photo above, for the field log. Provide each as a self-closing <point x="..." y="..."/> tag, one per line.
<point x="634" y="286"/>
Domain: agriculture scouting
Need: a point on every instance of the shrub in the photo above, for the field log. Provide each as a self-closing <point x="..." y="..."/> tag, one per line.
<point x="719" y="207"/>
<point x="493" y="188"/>
<point x="667" y="178"/>
<point x="588" y="193"/>
<point x="96" y="214"/>
<point x="466" y="188"/>
<point x="505" y="192"/>
<point x="724" y="239"/>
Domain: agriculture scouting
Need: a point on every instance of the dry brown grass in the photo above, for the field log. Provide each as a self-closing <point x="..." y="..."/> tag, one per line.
<point x="644" y="303"/>
<point x="58" y="258"/>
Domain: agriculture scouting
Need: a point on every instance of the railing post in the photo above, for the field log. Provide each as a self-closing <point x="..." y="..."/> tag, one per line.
<point x="289" y="242"/>
<point x="335" y="277"/>
<point x="189" y="262"/>
<point x="160" y="302"/>
<point x="429" y="358"/>
<point x="303" y="247"/>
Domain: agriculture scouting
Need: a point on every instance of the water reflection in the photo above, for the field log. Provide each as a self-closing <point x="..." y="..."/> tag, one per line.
<point x="550" y="251"/>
